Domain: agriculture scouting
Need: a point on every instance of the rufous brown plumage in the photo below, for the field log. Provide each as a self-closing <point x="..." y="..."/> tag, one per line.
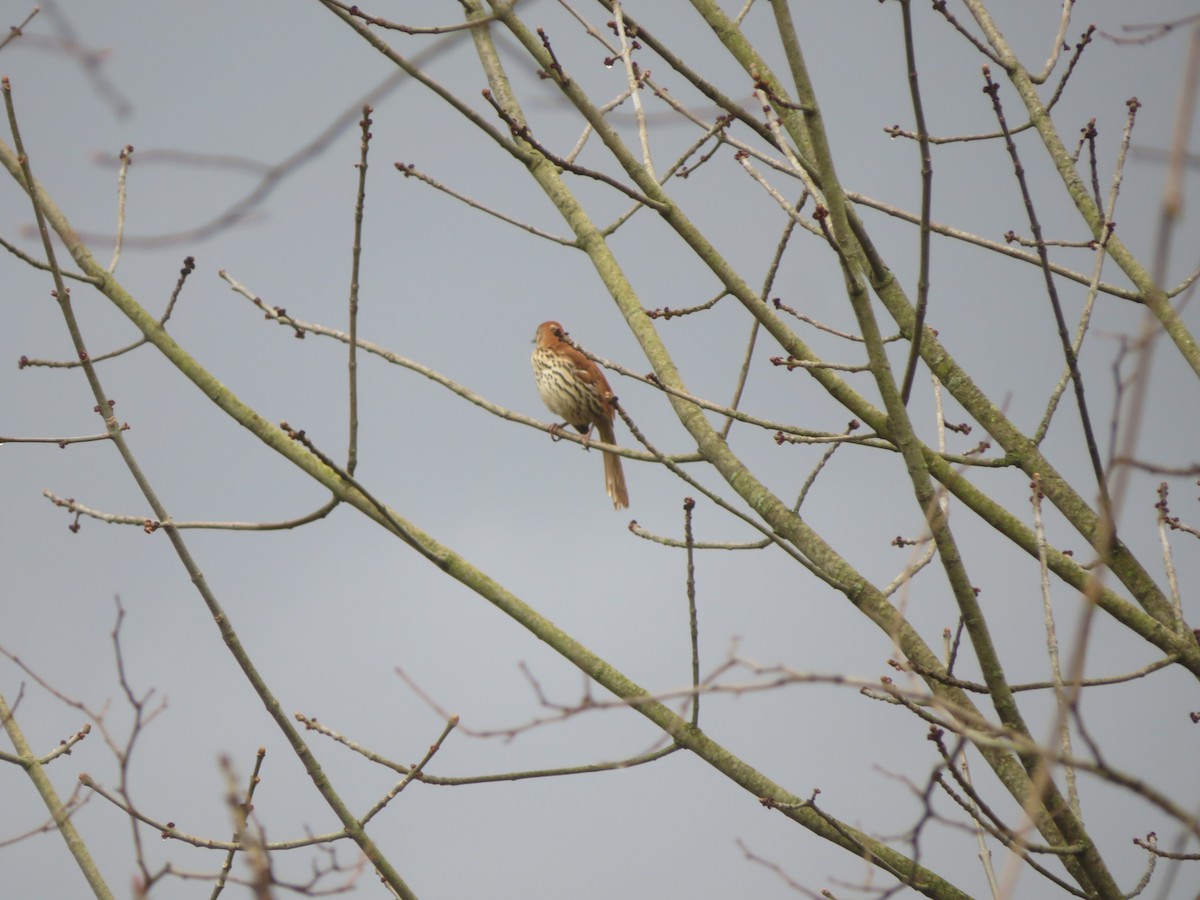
<point x="573" y="387"/>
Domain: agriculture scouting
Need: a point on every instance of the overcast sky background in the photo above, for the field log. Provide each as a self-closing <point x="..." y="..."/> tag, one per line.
<point x="330" y="610"/>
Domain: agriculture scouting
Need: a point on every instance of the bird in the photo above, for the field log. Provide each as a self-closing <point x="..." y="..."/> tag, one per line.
<point x="573" y="387"/>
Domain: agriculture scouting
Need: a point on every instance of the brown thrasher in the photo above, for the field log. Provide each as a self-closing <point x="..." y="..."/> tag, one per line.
<point x="574" y="387"/>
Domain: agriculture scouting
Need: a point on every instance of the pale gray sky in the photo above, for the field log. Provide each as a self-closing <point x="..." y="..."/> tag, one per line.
<point x="330" y="610"/>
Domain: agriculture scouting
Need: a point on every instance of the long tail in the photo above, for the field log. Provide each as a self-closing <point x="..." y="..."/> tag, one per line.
<point x="614" y="475"/>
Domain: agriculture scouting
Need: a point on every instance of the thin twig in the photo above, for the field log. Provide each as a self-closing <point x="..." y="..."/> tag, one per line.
<point x="992" y="89"/>
<point x="360" y="200"/>
<point x="635" y="83"/>
<point x="922" y="302"/>
<point x="689" y="506"/>
<point x="524" y="133"/>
